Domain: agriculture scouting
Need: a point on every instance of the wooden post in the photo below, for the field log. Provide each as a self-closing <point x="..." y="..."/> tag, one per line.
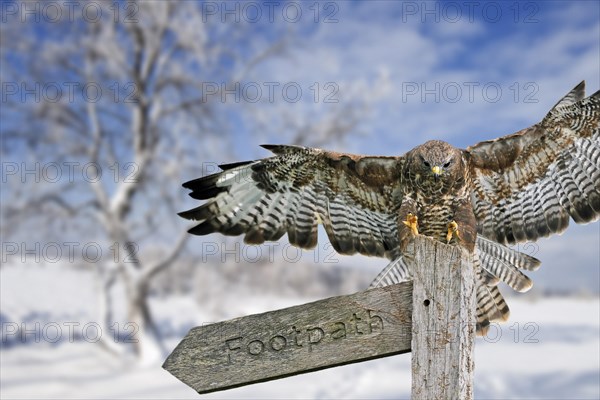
<point x="352" y="328"/>
<point x="443" y="321"/>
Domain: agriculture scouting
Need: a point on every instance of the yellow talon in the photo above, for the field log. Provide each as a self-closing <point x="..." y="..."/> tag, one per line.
<point x="411" y="222"/>
<point x="452" y="230"/>
<point x="319" y="220"/>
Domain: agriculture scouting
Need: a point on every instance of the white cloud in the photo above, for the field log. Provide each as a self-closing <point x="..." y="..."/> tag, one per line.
<point x="552" y="56"/>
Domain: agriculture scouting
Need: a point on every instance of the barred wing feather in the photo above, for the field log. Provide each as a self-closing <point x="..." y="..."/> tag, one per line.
<point x="529" y="184"/>
<point x="356" y="198"/>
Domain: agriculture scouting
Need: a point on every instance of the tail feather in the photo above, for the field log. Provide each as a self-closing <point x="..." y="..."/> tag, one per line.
<point x="576" y="94"/>
<point x="493" y="262"/>
<point x="513" y="257"/>
<point x="491" y="306"/>
<point x="504" y="263"/>
<point x="490" y="303"/>
<point x="395" y="272"/>
<point x="488" y="278"/>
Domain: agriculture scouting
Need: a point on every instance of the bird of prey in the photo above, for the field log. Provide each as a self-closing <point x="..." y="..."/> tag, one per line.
<point x="516" y="188"/>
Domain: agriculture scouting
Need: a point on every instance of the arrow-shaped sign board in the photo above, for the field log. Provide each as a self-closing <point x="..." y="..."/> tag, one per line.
<point x="380" y="322"/>
<point x="326" y="333"/>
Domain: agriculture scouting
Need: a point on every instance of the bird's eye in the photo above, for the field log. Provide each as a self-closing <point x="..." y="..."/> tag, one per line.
<point x="425" y="162"/>
<point x="447" y="164"/>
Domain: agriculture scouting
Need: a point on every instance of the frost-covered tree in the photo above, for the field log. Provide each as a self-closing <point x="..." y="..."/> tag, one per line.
<point x="119" y="104"/>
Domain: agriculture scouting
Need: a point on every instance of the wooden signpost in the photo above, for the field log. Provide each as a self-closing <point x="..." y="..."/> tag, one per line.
<point x="436" y="319"/>
<point x="443" y="321"/>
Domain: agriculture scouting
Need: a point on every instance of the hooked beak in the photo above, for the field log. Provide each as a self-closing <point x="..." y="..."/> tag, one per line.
<point x="437" y="171"/>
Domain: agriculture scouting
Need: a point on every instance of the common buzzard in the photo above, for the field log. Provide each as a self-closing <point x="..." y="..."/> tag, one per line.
<point x="512" y="189"/>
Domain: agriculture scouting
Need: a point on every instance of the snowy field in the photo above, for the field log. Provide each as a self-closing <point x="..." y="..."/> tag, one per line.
<point x="550" y="349"/>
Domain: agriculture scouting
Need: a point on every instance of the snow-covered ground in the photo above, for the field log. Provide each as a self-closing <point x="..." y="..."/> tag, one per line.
<point x="549" y="349"/>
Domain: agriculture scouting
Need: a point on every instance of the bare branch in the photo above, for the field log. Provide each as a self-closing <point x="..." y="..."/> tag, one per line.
<point x="276" y="49"/>
<point x="171" y="257"/>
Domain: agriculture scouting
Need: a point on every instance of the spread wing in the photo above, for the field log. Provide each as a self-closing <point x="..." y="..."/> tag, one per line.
<point x="528" y="185"/>
<point x="355" y="197"/>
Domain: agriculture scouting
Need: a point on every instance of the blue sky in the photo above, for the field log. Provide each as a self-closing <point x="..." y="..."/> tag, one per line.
<point x="457" y="71"/>
<point x="534" y="60"/>
<point x="519" y="58"/>
<point x="527" y="57"/>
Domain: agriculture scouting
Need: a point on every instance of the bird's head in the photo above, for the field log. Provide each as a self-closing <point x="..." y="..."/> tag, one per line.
<point x="436" y="161"/>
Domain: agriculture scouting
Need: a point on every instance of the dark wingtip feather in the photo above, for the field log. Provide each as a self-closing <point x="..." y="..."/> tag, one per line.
<point x="206" y="193"/>
<point x="533" y="264"/>
<point x="204" y="188"/>
<point x="281" y="148"/>
<point x="226" y="167"/>
<point x="576" y="94"/>
<point x="201" y="182"/>
<point x="483" y="327"/>
<point x="186" y="214"/>
<point x="579" y="91"/>
<point x="274" y="148"/>
<point x="196" y="214"/>
<point x="202" y="229"/>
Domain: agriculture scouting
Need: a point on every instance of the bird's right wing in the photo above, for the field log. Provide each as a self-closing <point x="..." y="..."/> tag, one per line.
<point x="356" y="198"/>
<point x="529" y="184"/>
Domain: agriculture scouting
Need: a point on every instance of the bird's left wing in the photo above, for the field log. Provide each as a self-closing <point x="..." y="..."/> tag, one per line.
<point x="529" y="184"/>
<point x="355" y="197"/>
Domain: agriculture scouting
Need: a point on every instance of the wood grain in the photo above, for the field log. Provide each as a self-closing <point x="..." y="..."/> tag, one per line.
<point x="443" y="321"/>
<point x="346" y="329"/>
<point x="326" y="333"/>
